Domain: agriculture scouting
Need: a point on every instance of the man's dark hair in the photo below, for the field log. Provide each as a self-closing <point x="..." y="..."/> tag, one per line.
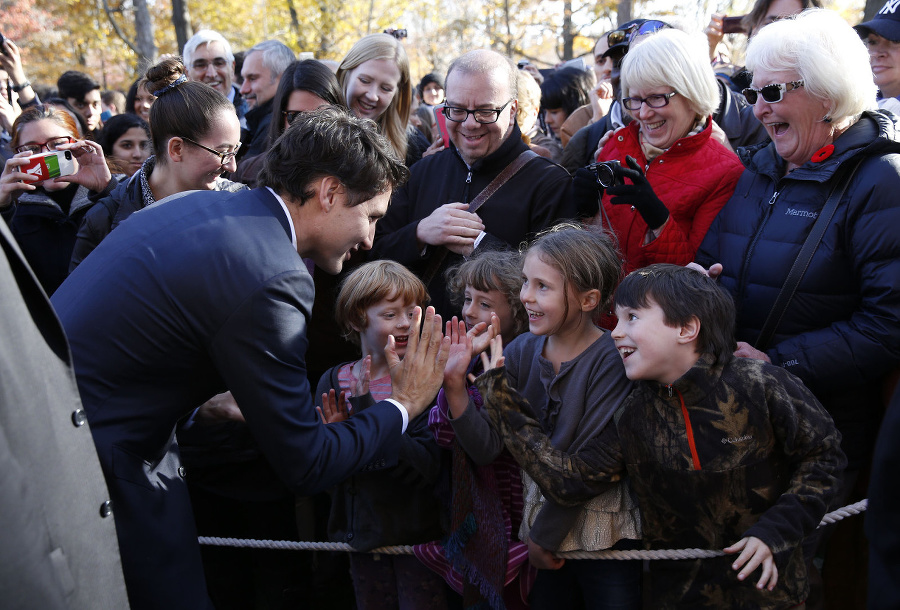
<point x="74" y="84"/>
<point x="682" y="294"/>
<point x="330" y="142"/>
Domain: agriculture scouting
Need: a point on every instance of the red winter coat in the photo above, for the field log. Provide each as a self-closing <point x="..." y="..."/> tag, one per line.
<point x="694" y="179"/>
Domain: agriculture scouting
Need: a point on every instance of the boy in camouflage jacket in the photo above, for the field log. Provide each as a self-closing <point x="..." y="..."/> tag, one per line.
<point x="720" y="450"/>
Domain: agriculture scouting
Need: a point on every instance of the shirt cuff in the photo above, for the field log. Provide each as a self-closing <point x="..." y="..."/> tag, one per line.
<point x="403" y="414"/>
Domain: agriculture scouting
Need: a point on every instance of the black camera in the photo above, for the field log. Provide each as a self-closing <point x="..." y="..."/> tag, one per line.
<point x="607" y="173"/>
<point x="2" y="40"/>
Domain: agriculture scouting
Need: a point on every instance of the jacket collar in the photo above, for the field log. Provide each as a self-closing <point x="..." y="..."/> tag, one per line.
<point x="696" y="383"/>
<point x="876" y="132"/>
<point x="509" y="149"/>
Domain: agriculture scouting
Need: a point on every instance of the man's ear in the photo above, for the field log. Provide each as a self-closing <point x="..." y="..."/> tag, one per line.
<point x="175" y="148"/>
<point x="330" y="191"/>
<point x="514" y="110"/>
<point x="589" y="299"/>
<point x="690" y="331"/>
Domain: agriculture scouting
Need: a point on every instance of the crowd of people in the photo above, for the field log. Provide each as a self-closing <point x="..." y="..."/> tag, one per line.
<point x="647" y="302"/>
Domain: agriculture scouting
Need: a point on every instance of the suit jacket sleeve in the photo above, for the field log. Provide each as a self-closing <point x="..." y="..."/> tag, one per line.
<point x="260" y="352"/>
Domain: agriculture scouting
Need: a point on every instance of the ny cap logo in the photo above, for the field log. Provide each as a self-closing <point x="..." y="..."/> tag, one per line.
<point x="889" y="7"/>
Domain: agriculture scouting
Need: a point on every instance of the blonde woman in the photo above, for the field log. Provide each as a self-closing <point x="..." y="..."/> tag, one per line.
<point x="375" y="78"/>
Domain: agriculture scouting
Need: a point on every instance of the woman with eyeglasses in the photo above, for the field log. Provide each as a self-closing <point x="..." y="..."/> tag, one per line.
<point x="840" y="331"/>
<point x="375" y="78"/>
<point x="44" y="215"/>
<point x="672" y="176"/>
<point x="195" y="134"/>
<point x="304" y="86"/>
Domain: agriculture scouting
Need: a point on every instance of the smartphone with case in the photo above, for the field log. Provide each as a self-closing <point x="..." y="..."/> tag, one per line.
<point x="441" y="121"/>
<point x="50" y="165"/>
<point x="733" y="25"/>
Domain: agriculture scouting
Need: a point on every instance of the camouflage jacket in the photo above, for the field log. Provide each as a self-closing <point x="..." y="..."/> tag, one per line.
<point x="728" y="451"/>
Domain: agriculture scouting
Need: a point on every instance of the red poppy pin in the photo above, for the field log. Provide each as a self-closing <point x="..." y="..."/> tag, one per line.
<point x="823" y="153"/>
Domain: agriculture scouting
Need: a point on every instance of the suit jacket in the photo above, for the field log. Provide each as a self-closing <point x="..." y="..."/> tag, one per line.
<point x="58" y="544"/>
<point x="198" y="293"/>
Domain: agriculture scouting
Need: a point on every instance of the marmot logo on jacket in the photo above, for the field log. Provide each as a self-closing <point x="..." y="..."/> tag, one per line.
<point x="803" y="213"/>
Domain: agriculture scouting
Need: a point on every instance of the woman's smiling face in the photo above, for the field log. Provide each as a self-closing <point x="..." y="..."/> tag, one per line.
<point x="371" y="86"/>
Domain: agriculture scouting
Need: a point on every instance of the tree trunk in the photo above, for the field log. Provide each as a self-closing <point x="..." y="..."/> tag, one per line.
<point x="144" y="36"/>
<point x="624" y="12"/>
<point x="872" y="8"/>
<point x="181" y="19"/>
<point x="568" y="34"/>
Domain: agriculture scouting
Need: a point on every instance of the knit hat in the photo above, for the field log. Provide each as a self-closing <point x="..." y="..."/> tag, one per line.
<point x="886" y="23"/>
<point x="431" y="77"/>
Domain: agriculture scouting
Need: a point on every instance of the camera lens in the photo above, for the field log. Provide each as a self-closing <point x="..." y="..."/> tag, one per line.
<point x="605" y="175"/>
<point x="68" y="155"/>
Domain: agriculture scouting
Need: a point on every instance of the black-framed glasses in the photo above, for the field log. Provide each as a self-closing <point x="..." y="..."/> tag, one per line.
<point x="50" y="145"/>
<point x="290" y="115"/>
<point x="224" y="157"/>
<point x="654" y="101"/>
<point x="485" y="116"/>
<point x="633" y="31"/>
<point x="771" y="93"/>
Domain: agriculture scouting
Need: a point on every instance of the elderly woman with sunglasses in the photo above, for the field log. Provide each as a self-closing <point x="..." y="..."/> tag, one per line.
<point x="813" y="91"/>
<point x="672" y="176"/>
<point x="195" y="134"/>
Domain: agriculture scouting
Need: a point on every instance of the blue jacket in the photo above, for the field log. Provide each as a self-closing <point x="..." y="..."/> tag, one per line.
<point x="841" y="332"/>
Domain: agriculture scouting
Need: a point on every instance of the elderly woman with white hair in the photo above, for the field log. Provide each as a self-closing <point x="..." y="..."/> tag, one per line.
<point x="825" y="306"/>
<point x="677" y="176"/>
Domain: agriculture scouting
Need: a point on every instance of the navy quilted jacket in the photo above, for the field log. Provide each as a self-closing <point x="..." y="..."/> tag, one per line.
<point x="841" y="332"/>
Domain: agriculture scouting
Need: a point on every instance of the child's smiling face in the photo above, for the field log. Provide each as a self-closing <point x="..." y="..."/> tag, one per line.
<point x="549" y="305"/>
<point x="390" y="316"/>
<point x="478" y="305"/>
<point x="647" y="345"/>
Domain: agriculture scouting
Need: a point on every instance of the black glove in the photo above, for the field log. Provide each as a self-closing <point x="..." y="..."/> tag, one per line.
<point x="587" y="192"/>
<point x="639" y="194"/>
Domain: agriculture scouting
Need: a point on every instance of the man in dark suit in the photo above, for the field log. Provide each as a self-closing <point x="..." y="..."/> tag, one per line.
<point x="207" y="291"/>
<point x="58" y="548"/>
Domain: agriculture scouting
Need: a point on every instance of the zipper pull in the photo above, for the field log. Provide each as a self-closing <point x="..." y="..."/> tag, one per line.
<point x="469" y="178"/>
<point x="774" y="197"/>
<point x="669" y="387"/>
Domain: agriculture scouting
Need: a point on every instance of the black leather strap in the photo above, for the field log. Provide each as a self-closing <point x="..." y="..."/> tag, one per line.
<point x="842" y="181"/>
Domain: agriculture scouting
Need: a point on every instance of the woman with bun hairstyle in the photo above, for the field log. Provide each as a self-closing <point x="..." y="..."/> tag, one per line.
<point x="375" y="78"/>
<point x="195" y="134"/>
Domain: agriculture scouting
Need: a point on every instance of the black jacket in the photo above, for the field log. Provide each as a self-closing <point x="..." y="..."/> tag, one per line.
<point x="537" y="197"/>
<point x="255" y="138"/>
<point x="46" y="233"/>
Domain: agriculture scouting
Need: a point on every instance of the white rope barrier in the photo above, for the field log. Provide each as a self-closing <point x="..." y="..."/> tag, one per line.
<point x="287" y="545"/>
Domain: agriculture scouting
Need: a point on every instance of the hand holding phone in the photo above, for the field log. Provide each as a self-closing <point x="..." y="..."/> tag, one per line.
<point x="50" y="165"/>
<point x="441" y="120"/>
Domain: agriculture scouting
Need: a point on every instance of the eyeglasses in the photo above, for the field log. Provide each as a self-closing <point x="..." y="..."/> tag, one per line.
<point x="290" y="115"/>
<point x="633" y="31"/>
<point x="49" y="145"/>
<point x="653" y="101"/>
<point x="203" y="64"/>
<point x="224" y="157"/>
<point x="485" y="116"/>
<point x="770" y="93"/>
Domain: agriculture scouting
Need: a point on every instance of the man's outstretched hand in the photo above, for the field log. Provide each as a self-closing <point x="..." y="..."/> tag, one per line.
<point x="417" y="378"/>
